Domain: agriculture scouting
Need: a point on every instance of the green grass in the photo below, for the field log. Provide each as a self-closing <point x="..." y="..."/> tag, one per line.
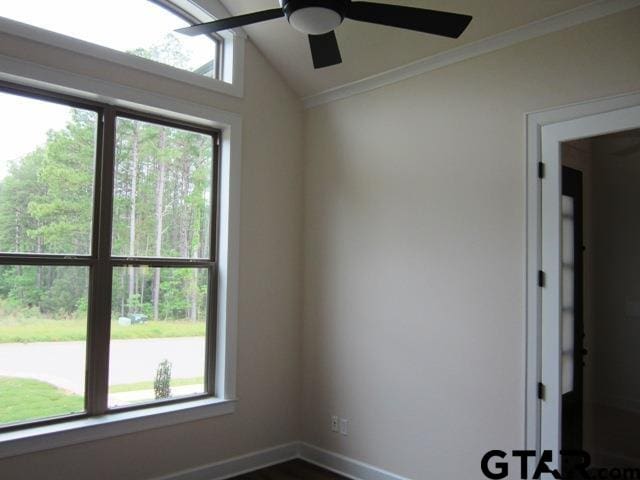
<point x="133" y="387"/>
<point x="70" y="330"/>
<point x="23" y="399"/>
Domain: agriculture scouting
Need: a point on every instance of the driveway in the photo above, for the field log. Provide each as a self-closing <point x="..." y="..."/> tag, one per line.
<point x="63" y="363"/>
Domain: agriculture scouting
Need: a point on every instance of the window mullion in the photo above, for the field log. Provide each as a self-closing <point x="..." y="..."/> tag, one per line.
<point x="39" y="259"/>
<point x="161" y="262"/>
<point x="100" y="291"/>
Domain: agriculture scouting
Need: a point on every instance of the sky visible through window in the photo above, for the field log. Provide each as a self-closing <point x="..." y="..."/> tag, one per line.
<point x="24" y="123"/>
<point x="162" y="215"/>
<point x="123" y="25"/>
<point x="119" y="24"/>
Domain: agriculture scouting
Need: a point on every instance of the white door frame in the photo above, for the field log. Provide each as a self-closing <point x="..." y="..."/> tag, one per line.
<point x="546" y="130"/>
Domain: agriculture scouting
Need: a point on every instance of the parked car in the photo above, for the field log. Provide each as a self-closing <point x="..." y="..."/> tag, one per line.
<point x="133" y="319"/>
<point x="138" y="318"/>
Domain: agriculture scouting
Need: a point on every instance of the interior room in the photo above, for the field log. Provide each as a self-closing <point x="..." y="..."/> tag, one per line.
<point x="319" y="239"/>
<point x="607" y="354"/>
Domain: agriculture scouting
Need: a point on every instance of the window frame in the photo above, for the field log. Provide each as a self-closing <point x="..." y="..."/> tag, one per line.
<point x="100" y="261"/>
<point x="230" y="59"/>
<point x="218" y="39"/>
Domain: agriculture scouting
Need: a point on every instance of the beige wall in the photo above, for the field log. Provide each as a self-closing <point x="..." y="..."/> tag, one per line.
<point x="415" y="250"/>
<point x="269" y="299"/>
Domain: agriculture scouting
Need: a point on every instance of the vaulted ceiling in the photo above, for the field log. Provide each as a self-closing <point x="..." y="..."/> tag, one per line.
<point x="371" y="49"/>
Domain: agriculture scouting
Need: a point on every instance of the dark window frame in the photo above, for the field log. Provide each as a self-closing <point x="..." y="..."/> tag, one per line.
<point x="101" y="262"/>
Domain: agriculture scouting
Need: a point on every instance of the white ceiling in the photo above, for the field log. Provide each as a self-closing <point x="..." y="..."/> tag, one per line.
<point x="370" y="49"/>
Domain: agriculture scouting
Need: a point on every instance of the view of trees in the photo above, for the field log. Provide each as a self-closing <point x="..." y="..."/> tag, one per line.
<point x="161" y="208"/>
<point x="46" y="207"/>
<point x="162" y="180"/>
<point x="51" y="183"/>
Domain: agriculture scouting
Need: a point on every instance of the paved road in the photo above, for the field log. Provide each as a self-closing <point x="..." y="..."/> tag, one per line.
<point x="63" y="363"/>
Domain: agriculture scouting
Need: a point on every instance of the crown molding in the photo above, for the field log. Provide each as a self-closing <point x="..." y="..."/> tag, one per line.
<point x="539" y="28"/>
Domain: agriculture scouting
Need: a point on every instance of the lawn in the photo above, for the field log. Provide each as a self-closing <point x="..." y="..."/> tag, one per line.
<point x="133" y="387"/>
<point x="69" y="330"/>
<point x="24" y="399"/>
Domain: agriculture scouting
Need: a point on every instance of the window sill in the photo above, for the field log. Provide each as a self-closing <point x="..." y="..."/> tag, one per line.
<point x="73" y="432"/>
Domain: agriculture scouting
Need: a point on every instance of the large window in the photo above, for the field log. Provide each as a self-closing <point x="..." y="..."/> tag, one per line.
<point x="139" y="27"/>
<point x="107" y="259"/>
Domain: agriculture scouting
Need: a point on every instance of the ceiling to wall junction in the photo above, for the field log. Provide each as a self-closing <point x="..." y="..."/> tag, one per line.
<point x="370" y="49"/>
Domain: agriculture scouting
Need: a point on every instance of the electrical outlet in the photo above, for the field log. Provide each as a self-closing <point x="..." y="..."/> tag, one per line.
<point x="344" y="426"/>
<point x="334" y="423"/>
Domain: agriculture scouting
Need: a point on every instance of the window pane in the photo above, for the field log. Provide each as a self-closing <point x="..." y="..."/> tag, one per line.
<point x="158" y="332"/>
<point x="47" y="164"/>
<point x="162" y="196"/>
<point x="567" y="320"/>
<point x="43" y="327"/>
<point x="138" y="27"/>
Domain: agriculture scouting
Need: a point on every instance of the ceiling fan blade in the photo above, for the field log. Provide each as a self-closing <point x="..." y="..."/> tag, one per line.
<point x="419" y="19"/>
<point x="324" y="50"/>
<point x="232" y="22"/>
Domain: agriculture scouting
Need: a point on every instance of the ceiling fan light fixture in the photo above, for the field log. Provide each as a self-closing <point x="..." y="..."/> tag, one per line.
<point x="315" y="20"/>
<point x="314" y="17"/>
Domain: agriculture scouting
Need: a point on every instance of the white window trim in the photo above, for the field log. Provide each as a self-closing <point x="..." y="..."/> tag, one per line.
<point x="232" y="82"/>
<point x="115" y="424"/>
<point x="89" y="429"/>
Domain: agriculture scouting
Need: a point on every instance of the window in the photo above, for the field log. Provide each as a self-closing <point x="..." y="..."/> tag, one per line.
<point x="138" y="27"/>
<point x="108" y="229"/>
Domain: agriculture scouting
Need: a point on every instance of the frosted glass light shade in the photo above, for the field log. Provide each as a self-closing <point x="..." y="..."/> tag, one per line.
<point x="315" y="20"/>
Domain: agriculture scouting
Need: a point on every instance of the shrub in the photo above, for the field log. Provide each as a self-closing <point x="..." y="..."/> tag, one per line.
<point x="162" y="383"/>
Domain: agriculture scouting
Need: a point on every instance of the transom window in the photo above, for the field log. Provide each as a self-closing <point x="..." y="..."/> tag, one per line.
<point x="108" y="228"/>
<point x="143" y="28"/>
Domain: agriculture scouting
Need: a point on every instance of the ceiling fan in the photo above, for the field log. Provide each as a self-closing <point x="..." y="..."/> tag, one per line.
<point x="318" y="19"/>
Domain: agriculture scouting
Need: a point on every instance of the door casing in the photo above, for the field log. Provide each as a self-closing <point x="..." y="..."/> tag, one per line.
<point x="546" y="131"/>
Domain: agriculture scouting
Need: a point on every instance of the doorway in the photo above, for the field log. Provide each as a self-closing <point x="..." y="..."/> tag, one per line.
<point x="601" y="257"/>
<point x="558" y="310"/>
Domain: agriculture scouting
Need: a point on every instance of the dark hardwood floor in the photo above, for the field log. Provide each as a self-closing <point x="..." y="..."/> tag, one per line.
<point x="293" y="470"/>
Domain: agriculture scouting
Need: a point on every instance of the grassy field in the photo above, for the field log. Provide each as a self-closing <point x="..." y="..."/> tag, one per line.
<point x="23" y="399"/>
<point x="29" y="331"/>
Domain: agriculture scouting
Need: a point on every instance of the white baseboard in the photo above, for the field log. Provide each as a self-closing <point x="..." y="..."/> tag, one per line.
<point x="345" y="466"/>
<point x="238" y="465"/>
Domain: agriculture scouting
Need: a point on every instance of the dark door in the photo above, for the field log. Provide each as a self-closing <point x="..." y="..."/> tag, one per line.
<point x="572" y="313"/>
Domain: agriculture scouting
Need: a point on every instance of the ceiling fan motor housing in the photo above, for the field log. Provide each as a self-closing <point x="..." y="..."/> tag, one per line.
<point x="315" y="17"/>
